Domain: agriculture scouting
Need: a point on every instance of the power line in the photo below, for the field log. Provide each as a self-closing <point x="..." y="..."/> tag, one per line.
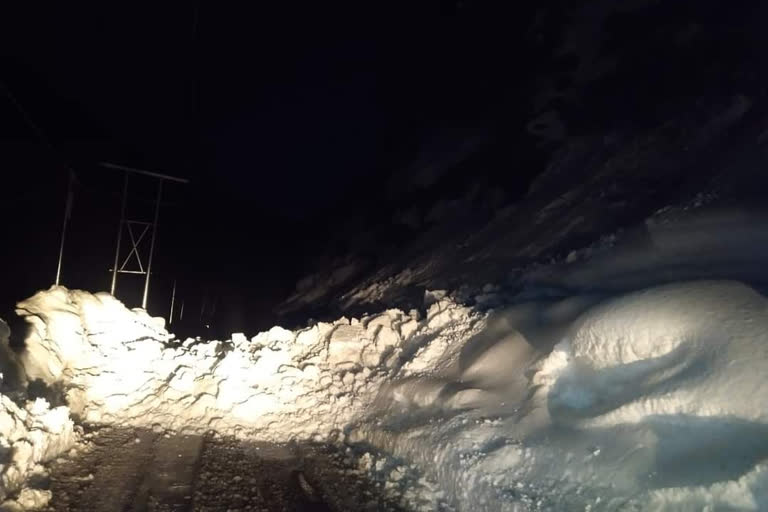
<point x="72" y="178"/>
<point x="36" y="128"/>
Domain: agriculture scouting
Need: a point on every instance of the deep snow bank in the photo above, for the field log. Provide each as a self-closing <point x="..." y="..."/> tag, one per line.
<point x="29" y="435"/>
<point x="651" y="400"/>
<point x="655" y="400"/>
<point x="121" y="366"/>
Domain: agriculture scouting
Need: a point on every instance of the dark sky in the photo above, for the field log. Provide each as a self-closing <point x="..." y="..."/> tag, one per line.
<point x="299" y="96"/>
<point x="284" y="116"/>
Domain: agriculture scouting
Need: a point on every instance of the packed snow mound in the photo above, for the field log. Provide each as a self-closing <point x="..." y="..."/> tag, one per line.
<point x="654" y="400"/>
<point x="30" y="436"/>
<point x="89" y="346"/>
<point x="649" y="400"/>
<point x="10" y="375"/>
<point x="117" y="365"/>
<point x="696" y="348"/>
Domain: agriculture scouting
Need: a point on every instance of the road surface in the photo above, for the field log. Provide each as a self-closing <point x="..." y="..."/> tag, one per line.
<point x="138" y="470"/>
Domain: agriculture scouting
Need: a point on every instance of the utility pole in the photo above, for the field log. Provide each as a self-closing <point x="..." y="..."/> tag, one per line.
<point x="152" y="243"/>
<point x="119" y="234"/>
<point x="65" y="223"/>
<point x="72" y="178"/>
<point x="173" y="303"/>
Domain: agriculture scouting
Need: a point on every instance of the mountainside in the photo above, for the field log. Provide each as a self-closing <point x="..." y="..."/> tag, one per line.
<point x="639" y="107"/>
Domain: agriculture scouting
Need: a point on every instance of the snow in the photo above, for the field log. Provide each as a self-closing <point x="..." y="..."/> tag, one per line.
<point x="652" y="399"/>
<point x="120" y="366"/>
<point x="30" y="436"/>
<point x="30" y="433"/>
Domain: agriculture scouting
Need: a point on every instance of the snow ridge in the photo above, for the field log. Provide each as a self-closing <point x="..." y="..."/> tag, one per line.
<point x="648" y="400"/>
<point x="121" y="366"/>
<point x="29" y="435"/>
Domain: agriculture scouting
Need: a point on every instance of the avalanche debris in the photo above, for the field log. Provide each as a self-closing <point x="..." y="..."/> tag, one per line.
<point x="646" y="399"/>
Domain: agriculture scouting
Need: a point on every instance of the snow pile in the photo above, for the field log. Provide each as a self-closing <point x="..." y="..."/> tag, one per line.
<point x="5" y="332"/>
<point x="651" y="400"/>
<point x="120" y="366"/>
<point x="654" y="399"/>
<point x="29" y="435"/>
<point x="91" y="347"/>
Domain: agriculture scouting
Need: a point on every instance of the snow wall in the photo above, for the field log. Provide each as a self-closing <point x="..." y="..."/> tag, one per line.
<point x="30" y="434"/>
<point x="116" y="365"/>
<point x="651" y="400"/>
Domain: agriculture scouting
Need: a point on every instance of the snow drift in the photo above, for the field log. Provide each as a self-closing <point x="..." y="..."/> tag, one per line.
<point x="116" y="365"/>
<point x="651" y="400"/>
<point x="29" y="435"/>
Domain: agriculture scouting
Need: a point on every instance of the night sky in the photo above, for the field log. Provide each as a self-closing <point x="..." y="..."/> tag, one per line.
<point x="285" y="117"/>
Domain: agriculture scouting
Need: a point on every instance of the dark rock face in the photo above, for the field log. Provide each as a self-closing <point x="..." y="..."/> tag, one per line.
<point x="619" y="110"/>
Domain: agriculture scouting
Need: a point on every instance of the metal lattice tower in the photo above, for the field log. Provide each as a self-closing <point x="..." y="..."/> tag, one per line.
<point x="137" y="231"/>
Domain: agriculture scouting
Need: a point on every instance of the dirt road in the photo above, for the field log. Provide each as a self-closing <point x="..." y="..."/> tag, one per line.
<point x="135" y="470"/>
